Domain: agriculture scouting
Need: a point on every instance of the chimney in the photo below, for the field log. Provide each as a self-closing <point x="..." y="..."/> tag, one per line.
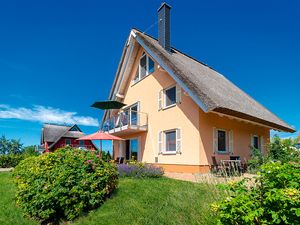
<point x="164" y="26"/>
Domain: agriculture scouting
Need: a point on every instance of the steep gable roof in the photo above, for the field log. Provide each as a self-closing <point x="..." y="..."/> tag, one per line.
<point x="53" y="133"/>
<point x="208" y="88"/>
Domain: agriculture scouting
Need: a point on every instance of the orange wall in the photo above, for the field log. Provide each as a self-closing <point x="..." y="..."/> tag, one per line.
<point x="196" y="126"/>
<point x="242" y="132"/>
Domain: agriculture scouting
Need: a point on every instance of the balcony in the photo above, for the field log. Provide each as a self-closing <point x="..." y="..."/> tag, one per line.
<point x="126" y="122"/>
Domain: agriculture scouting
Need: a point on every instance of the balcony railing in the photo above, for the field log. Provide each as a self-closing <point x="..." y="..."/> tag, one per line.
<point x="128" y="119"/>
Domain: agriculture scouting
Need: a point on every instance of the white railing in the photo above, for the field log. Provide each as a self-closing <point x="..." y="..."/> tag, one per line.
<point x="126" y="118"/>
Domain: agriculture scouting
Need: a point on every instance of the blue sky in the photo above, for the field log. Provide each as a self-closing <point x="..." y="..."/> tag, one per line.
<point x="58" y="57"/>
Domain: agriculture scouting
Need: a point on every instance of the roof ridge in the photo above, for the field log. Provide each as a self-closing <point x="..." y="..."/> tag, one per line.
<point x="177" y="50"/>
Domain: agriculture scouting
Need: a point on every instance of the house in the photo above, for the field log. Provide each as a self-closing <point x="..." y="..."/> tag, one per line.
<point x="58" y="136"/>
<point x="180" y="113"/>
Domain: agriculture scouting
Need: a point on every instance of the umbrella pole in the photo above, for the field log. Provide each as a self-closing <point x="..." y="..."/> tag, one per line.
<point x="100" y="148"/>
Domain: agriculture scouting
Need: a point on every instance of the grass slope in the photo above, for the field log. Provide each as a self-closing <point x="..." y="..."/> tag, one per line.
<point x="9" y="213"/>
<point x="154" y="201"/>
<point x="137" y="201"/>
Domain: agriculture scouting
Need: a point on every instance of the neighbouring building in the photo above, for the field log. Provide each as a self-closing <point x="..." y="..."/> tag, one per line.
<point x="58" y="136"/>
<point x="180" y="113"/>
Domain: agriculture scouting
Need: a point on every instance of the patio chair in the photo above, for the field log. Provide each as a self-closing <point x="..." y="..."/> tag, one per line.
<point x="215" y="166"/>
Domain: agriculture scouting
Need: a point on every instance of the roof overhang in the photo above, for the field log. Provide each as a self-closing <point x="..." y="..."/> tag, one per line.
<point x="130" y="49"/>
<point x="252" y="119"/>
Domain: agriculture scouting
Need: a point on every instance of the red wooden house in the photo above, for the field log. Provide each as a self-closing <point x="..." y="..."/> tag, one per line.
<point x="59" y="136"/>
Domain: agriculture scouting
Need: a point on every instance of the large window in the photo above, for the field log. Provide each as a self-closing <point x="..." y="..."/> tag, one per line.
<point x="170" y="96"/>
<point x="222" y="141"/>
<point x="170" y="137"/>
<point x="146" y="67"/>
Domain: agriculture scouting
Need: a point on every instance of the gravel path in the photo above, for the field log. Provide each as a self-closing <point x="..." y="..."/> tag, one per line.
<point x="5" y="169"/>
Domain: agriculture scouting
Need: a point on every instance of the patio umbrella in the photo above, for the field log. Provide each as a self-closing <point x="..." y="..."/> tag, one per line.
<point x="100" y="135"/>
<point x="108" y="104"/>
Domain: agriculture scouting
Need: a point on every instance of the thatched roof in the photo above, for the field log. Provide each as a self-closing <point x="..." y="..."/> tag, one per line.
<point x="52" y="133"/>
<point x="215" y="92"/>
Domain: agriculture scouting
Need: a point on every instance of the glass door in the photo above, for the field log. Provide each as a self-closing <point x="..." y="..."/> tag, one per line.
<point x="131" y="115"/>
<point x="134" y="148"/>
<point x="134" y="114"/>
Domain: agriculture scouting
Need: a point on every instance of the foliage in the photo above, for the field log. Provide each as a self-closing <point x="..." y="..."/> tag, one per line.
<point x="13" y="159"/>
<point x="256" y="161"/>
<point x="277" y="150"/>
<point x="136" y="202"/>
<point x="10" y="146"/>
<point x="139" y="170"/>
<point x="273" y="199"/>
<point x="30" y="151"/>
<point x="63" y="184"/>
<point x="106" y="156"/>
<point x="10" y="160"/>
<point x="282" y="149"/>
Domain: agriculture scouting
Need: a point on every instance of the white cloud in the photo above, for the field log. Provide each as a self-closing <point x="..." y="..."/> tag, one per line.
<point x="46" y="115"/>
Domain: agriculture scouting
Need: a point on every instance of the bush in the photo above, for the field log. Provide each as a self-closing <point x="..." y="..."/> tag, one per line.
<point x="63" y="184"/>
<point x="256" y="161"/>
<point x="139" y="170"/>
<point x="11" y="160"/>
<point x="274" y="199"/>
<point x="282" y="150"/>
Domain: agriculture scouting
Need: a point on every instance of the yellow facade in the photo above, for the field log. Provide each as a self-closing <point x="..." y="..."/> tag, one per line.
<point x="197" y="127"/>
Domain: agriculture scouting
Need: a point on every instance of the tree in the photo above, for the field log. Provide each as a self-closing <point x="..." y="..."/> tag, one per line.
<point x="30" y="150"/>
<point x="10" y="146"/>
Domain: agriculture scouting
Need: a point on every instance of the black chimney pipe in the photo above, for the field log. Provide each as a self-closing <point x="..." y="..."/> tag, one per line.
<point x="164" y="26"/>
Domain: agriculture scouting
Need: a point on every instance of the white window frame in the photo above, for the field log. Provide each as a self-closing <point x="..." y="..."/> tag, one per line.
<point x="165" y="152"/>
<point x="226" y="141"/>
<point x="147" y="68"/>
<point x="165" y="97"/>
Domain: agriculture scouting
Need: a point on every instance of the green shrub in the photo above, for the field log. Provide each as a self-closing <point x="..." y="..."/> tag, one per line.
<point x="256" y="161"/>
<point x="273" y="199"/>
<point x="11" y="160"/>
<point x="282" y="150"/>
<point x="63" y="184"/>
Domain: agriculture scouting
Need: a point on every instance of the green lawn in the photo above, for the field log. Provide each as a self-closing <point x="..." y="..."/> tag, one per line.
<point x="137" y="201"/>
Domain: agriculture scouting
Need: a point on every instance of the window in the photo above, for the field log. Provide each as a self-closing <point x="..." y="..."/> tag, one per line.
<point x="68" y="142"/>
<point x="134" y="147"/>
<point x="170" y="137"/>
<point x="170" y="142"/>
<point x="146" y="67"/>
<point x="170" y="96"/>
<point x="221" y="140"/>
<point x="255" y="142"/>
<point x="81" y="143"/>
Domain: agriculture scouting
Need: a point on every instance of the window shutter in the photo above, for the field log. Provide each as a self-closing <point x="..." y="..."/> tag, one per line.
<point x="178" y="140"/>
<point x="251" y="141"/>
<point x="262" y="144"/>
<point x="160" y="142"/>
<point x="178" y="94"/>
<point x="215" y="140"/>
<point x="160" y="99"/>
<point x="231" y="141"/>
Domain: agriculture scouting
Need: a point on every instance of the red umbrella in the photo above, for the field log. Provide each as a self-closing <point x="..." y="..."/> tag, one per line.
<point x="100" y="135"/>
